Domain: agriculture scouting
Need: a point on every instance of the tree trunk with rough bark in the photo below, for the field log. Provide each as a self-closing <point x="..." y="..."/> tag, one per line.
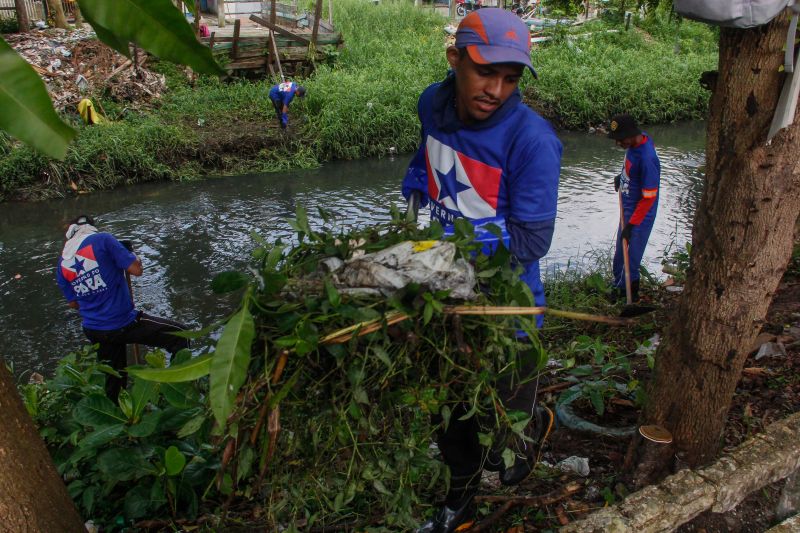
<point x="33" y="498"/>
<point x="741" y="244"/>
<point x="59" y="18"/>
<point x="22" y="16"/>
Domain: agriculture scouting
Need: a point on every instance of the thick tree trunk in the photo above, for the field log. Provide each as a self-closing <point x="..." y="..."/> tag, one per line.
<point x="58" y="14"/>
<point x="741" y="244"/>
<point x="22" y="16"/>
<point x="33" y="498"/>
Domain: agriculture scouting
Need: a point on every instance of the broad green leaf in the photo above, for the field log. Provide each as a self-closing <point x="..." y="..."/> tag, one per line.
<point x="98" y="411"/>
<point x="173" y="419"/>
<point x="102" y="436"/>
<point x="146" y="426"/>
<point x="174" y="461"/>
<point x="120" y="45"/>
<point x="180" y="395"/>
<point x="191" y="427"/>
<point x="125" y="403"/>
<point x="156" y="359"/>
<point x="427" y="313"/>
<point x="26" y="111"/>
<point x="569" y="395"/>
<point x="122" y="464"/>
<point x="228" y="282"/>
<point x="509" y="457"/>
<point x="230" y="362"/>
<point x="284" y="390"/>
<point x="155" y="25"/>
<point x="596" y="397"/>
<point x="380" y="487"/>
<point x="142" y="393"/>
<point x="382" y="355"/>
<point x="137" y="503"/>
<point x="88" y="499"/>
<point x="246" y="457"/>
<point x="189" y="371"/>
<point x="333" y="295"/>
<point x="300" y="224"/>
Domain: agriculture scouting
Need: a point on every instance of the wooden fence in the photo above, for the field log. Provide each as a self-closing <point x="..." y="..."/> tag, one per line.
<point x="36" y="8"/>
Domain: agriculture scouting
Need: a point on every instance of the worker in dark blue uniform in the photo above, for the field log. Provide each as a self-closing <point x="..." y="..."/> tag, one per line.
<point x="637" y="185"/>
<point x="487" y="157"/>
<point x="282" y="95"/>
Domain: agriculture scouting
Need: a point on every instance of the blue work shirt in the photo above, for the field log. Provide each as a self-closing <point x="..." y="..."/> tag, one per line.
<point x="95" y="278"/>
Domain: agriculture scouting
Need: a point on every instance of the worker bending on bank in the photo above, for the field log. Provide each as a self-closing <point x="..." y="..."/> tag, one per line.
<point x="487" y="157"/>
<point x="637" y="186"/>
<point x="91" y="274"/>
<point x="282" y="95"/>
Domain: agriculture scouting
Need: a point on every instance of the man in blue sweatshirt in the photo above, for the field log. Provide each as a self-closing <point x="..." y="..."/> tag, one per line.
<point x="91" y="273"/>
<point x="281" y="96"/>
<point x="487" y="157"/>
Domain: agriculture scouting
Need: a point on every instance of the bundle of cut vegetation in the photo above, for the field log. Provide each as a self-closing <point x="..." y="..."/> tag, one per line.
<point x="320" y="402"/>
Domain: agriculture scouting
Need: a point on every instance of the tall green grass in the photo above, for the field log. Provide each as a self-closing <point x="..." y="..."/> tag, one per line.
<point x="585" y="79"/>
<point x="365" y="103"/>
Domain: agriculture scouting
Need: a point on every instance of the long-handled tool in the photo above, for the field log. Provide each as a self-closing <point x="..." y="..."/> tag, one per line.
<point x="625" y="256"/>
<point x="393" y="317"/>
<point x="136" y="357"/>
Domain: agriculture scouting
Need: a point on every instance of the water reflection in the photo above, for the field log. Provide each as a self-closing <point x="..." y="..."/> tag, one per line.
<point x="188" y="232"/>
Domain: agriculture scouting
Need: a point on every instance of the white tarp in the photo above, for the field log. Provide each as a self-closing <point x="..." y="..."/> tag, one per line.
<point x="432" y="264"/>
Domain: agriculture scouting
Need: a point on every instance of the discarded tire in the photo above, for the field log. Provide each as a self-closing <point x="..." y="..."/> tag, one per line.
<point x="566" y="416"/>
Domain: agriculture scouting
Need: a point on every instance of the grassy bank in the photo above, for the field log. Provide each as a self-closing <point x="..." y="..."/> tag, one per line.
<point x="599" y="69"/>
<point x="364" y="103"/>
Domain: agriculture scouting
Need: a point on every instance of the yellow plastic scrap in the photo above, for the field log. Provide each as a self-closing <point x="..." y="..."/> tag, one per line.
<point x="421" y="246"/>
<point x="88" y="113"/>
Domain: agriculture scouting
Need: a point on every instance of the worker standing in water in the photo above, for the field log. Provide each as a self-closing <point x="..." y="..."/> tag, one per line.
<point x="637" y="185"/>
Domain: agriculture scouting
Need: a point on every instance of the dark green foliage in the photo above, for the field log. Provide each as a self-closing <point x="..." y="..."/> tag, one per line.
<point x="141" y="456"/>
<point x="599" y="70"/>
<point x="8" y="24"/>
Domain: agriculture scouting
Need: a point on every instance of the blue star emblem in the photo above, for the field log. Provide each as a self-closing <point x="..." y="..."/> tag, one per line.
<point x="78" y="265"/>
<point x="450" y="186"/>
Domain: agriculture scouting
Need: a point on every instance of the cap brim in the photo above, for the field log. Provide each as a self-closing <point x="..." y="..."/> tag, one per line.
<point x="484" y="54"/>
<point x="624" y="134"/>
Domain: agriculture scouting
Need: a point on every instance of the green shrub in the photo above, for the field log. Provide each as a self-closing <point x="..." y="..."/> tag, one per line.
<point x="8" y="25"/>
<point x="587" y="79"/>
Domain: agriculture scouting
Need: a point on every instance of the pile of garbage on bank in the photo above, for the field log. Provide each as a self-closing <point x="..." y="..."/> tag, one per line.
<point x="74" y="65"/>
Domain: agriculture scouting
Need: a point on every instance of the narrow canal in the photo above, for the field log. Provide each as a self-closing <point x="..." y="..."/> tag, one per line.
<point x="186" y="233"/>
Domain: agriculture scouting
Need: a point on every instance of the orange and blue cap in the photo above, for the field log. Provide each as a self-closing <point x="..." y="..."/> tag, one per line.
<point x="493" y="35"/>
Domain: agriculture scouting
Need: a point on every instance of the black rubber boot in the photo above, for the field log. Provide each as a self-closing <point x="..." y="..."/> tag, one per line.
<point x="538" y="430"/>
<point x="447" y="519"/>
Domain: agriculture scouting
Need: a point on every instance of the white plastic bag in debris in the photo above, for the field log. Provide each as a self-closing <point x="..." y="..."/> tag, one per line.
<point x="432" y="264"/>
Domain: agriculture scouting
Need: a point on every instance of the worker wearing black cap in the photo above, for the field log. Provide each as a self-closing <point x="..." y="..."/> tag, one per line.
<point x="637" y="186"/>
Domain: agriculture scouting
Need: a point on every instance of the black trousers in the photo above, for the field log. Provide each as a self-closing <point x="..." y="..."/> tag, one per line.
<point x="459" y="445"/>
<point x="145" y="329"/>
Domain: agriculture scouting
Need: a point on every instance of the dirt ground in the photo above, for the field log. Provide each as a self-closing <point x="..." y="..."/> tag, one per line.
<point x="768" y="391"/>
